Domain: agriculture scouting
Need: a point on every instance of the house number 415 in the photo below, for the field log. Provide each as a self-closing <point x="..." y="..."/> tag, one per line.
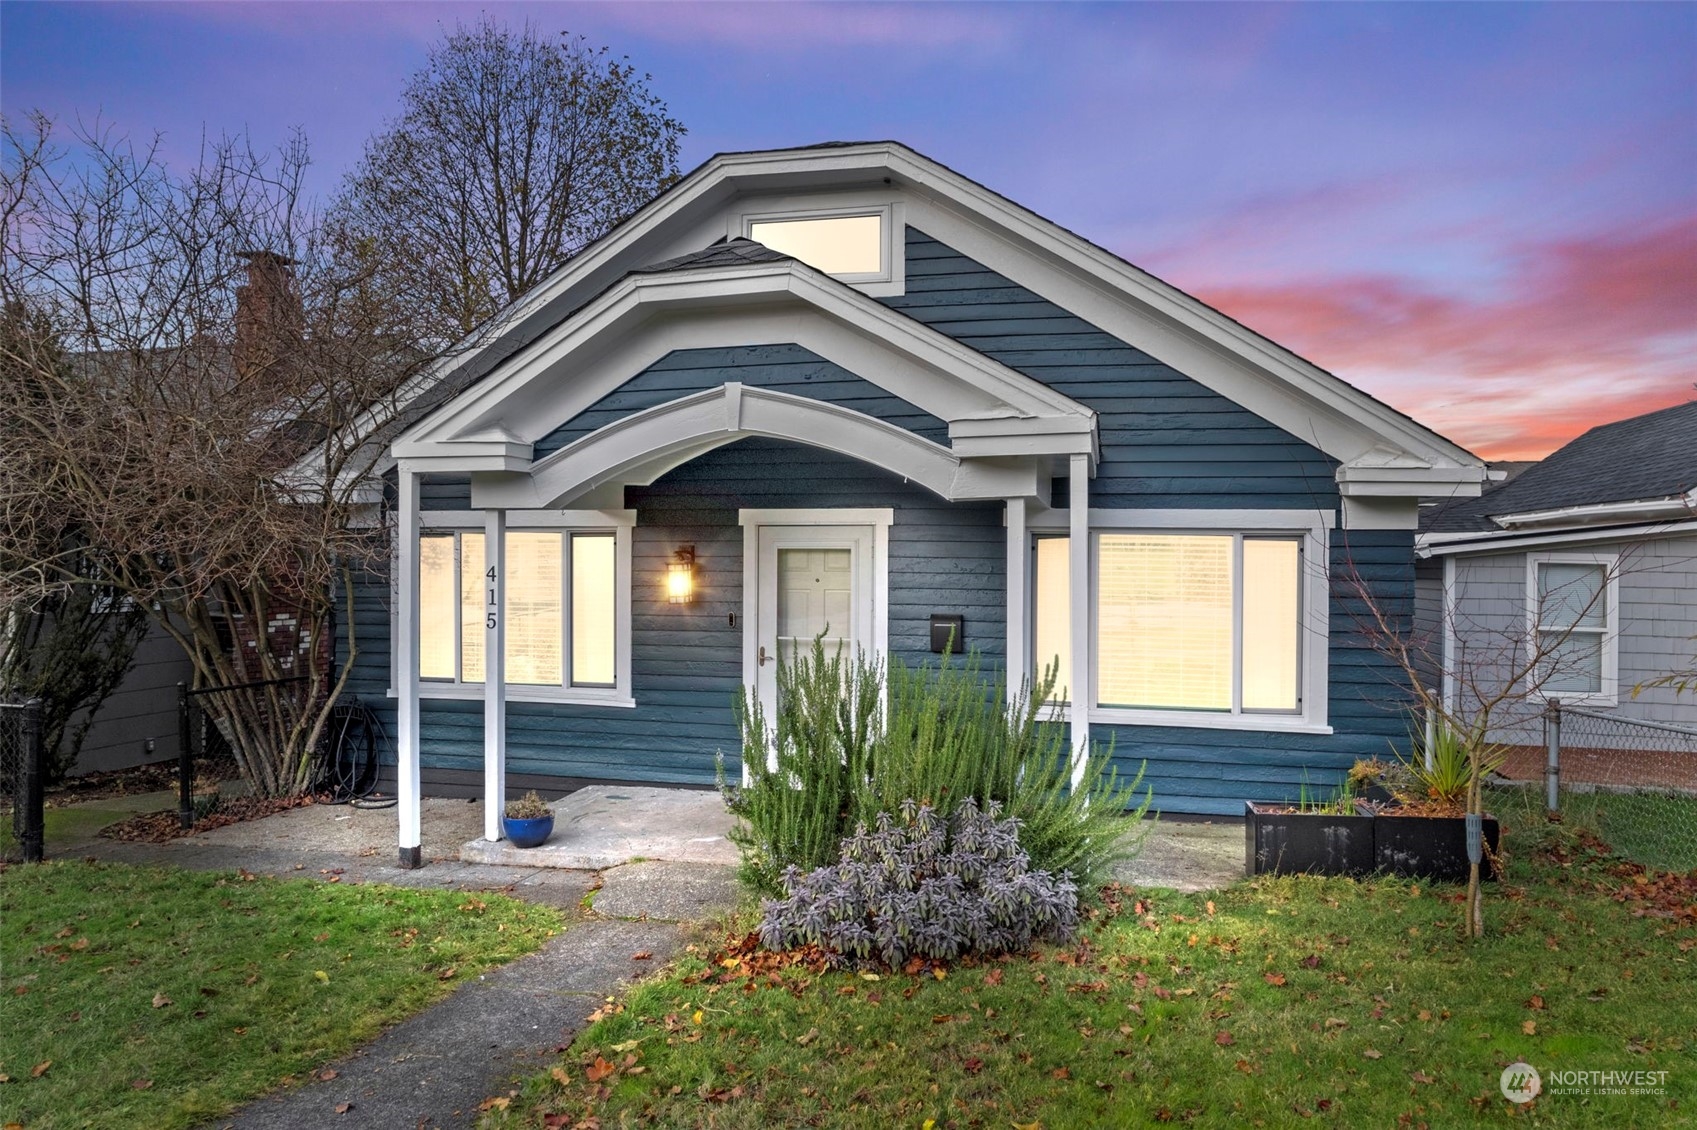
<point x="489" y="618"/>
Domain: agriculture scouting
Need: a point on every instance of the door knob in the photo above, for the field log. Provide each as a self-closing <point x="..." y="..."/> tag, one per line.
<point x="760" y="659"/>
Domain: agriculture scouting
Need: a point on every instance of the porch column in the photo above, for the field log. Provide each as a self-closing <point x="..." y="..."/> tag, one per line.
<point x="406" y="668"/>
<point x="1019" y="600"/>
<point x="1078" y="589"/>
<point x="494" y="671"/>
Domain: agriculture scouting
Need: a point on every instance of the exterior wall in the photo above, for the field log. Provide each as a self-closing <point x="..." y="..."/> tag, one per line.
<point x="1657" y="584"/>
<point x="143" y="707"/>
<point x="785" y="368"/>
<point x="686" y="661"/>
<point x="1168" y="441"/>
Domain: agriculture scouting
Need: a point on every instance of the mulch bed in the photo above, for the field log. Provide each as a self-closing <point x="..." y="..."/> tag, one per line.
<point x="111" y="783"/>
<point x="160" y="827"/>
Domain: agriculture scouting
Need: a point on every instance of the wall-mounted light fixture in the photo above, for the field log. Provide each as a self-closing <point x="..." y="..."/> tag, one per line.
<point x="680" y="576"/>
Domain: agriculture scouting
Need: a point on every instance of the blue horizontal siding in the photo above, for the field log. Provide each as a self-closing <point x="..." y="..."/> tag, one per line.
<point x="1167" y="441"/>
<point x="786" y="368"/>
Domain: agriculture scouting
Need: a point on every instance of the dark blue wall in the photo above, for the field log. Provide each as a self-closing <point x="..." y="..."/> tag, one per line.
<point x="1169" y="442"/>
<point x="786" y="368"/>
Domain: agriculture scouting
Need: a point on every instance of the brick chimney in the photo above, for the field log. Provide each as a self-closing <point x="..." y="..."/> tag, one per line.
<point x="269" y="317"/>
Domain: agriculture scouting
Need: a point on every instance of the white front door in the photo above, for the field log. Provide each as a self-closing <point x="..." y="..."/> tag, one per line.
<point x="809" y="581"/>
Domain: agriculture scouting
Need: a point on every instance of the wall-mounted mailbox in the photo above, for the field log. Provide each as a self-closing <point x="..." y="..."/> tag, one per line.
<point x="948" y="633"/>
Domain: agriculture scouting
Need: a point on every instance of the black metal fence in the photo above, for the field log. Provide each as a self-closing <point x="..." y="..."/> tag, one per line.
<point x="22" y="767"/>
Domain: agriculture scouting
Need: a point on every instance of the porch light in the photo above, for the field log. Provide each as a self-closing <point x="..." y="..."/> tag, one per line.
<point x="680" y="576"/>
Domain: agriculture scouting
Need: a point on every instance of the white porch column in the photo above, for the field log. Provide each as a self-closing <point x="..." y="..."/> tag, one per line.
<point x="406" y="667"/>
<point x="1078" y="588"/>
<point x="494" y="671"/>
<point x="1019" y="599"/>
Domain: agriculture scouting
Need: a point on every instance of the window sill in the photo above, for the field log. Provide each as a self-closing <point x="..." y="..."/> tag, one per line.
<point x="516" y="693"/>
<point x="1270" y="724"/>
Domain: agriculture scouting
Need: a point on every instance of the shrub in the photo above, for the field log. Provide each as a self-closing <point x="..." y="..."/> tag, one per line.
<point x="853" y="738"/>
<point x="528" y="807"/>
<point x="924" y="885"/>
<point x="1440" y="769"/>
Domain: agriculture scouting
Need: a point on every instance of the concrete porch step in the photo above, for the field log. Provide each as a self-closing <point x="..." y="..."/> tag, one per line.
<point x="603" y="826"/>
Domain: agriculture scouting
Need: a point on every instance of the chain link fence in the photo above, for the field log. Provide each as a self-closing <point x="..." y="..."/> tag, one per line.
<point x="22" y="765"/>
<point x="1633" y="781"/>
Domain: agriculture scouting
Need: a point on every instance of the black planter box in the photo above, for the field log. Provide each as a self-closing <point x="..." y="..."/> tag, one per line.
<point x="1430" y="847"/>
<point x="1289" y="843"/>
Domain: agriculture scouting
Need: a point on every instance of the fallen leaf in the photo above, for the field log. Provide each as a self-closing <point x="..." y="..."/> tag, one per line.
<point x="1060" y="1073"/>
<point x="1530" y="1027"/>
<point x="1422" y="1077"/>
<point x="869" y="977"/>
<point x="343" y="1108"/>
<point x="641" y="955"/>
<point x="500" y="1102"/>
<point x="326" y="1075"/>
<point x="697" y="1017"/>
<point x="141" y="1084"/>
<point x="448" y="973"/>
<point x="938" y="972"/>
<point x="811" y="1035"/>
<point x="598" y="1070"/>
<point x="80" y="944"/>
<point x="560" y="1076"/>
<point x="1425" y="1014"/>
<point x="626" y="1045"/>
<point x="40" y="1069"/>
<point x="1373" y="1053"/>
<point x="994" y="977"/>
<point x="1274" y="979"/>
<point x="160" y="1000"/>
<point x="974" y="1066"/>
<point x="1537" y="1002"/>
<point x="1223" y="1038"/>
<point x="321" y="976"/>
<point x="321" y="937"/>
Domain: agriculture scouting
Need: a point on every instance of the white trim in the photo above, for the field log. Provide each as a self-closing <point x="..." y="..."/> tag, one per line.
<point x="645" y="317"/>
<point x="1667" y="509"/>
<point x="621" y="523"/>
<point x="877" y="519"/>
<point x="1240" y="521"/>
<point x="890" y="278"/>
<point x="1608" y="693"/>
<point x="1434" y="545"/>
<point x="1451" y="689"/>
<point x="1081" y="605"/>
<point x="405" y="650"/>
<point x="1313" y="638"/>
<point x="1019" y="614"/>
<point x="494" y="673"/>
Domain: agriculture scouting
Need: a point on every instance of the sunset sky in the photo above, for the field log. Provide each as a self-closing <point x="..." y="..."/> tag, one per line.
<point x="1484" y="214"/>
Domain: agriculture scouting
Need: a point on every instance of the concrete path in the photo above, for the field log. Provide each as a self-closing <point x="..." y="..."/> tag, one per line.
<point x="606" y="825"/>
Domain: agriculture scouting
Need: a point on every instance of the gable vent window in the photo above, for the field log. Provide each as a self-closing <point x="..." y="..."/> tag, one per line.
<point x="845" y="246"/>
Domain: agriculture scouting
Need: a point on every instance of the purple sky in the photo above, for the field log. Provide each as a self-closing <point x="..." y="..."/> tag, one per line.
<point x="1483" y="214"/>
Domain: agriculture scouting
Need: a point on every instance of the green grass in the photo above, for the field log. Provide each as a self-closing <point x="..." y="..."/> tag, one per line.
<point x="266" y="980"/>
<point x="1658" y="830"/>
<point x="1290" y="1001"/>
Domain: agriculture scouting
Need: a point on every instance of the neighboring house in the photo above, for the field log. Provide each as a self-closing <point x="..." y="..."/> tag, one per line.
<point x="1594" y="548"/>
<point x="137" y="723"/>
<point x="844" y="389"/>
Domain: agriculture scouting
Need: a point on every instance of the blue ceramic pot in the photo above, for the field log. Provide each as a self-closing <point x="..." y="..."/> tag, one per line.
<point x="528" y="833"/>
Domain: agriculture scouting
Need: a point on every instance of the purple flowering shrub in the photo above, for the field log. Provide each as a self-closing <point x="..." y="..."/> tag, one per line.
<point x="924" y="886"/>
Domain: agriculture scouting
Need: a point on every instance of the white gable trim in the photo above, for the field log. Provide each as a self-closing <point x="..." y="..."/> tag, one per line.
<point x="644" y="317"/>
<point x="644" y="445"/>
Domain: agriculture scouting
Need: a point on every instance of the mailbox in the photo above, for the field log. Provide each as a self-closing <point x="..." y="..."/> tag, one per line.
<point x="948" y="633"/>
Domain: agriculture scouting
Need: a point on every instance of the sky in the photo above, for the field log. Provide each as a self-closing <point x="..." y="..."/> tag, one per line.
<point x="1483" y="214"/>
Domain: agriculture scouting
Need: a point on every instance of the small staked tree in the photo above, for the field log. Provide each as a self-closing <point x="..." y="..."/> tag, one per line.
<point x="1498" y="679"/>
<point x="176" y="341"/>
<point x="512" y="152"/>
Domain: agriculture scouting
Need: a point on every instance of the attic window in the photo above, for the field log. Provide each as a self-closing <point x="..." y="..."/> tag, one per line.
<point x="853" y="248"/>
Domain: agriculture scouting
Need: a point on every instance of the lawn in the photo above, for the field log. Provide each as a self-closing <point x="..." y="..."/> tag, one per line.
<point x="143" y="996"/>
<point x="1278" y="1002"/>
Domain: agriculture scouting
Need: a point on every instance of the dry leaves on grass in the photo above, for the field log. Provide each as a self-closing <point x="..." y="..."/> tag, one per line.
<point x="161" y="827"/>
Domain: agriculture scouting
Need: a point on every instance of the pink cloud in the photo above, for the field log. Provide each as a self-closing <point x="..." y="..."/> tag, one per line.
<point x="1584" y="330"/>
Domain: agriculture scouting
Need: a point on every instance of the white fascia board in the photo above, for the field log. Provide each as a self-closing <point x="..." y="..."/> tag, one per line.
<point x="1492" y="541"/>
<point x="646" y="317"/>
<point x="1670" y="508"/>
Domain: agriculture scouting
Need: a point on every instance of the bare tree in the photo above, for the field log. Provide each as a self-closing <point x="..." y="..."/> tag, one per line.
<point x="176" y="343"/>
<point x="1501" y="672"/>
<point x="512" y="152"/>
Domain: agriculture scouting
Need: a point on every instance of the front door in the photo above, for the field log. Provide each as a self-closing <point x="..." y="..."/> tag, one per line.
<point x="810" y="581"/>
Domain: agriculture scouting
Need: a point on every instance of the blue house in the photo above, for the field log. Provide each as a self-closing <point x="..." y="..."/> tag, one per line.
<point x="844" y="389"/>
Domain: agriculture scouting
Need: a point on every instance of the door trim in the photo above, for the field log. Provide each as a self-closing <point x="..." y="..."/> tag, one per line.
<point x="880" y="519"/>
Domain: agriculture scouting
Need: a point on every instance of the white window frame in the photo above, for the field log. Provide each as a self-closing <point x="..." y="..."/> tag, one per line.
<point x="1312" y="528"/>
<point x="1609" y="695"/>
<point x="889" y="280"/>
<point x="618" y="523"/>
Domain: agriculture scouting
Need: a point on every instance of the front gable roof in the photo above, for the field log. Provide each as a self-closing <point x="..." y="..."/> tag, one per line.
<point x="1380" y="451"/>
